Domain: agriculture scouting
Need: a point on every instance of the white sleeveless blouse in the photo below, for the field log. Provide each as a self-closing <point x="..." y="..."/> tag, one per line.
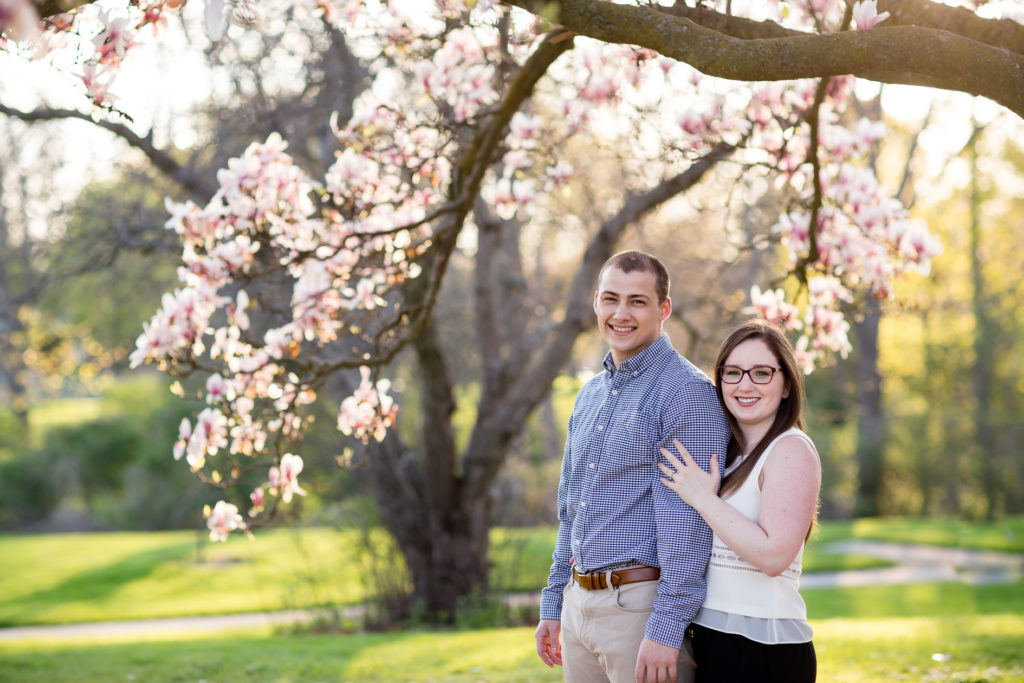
<point x="741" y="598"/>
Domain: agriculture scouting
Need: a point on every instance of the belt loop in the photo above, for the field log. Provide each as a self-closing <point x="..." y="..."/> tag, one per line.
<point x="608" y="580"/>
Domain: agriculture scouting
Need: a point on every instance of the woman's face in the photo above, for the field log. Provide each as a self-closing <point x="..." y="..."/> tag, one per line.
<point x="754" y="405"/>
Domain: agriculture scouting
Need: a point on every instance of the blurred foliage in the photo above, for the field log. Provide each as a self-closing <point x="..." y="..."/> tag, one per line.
<point x="951" y="356"/>
<point x="116" y="229"/>
<point x="12" y="433"/>
<point x="61" y="356"/>
<point x="114" y="470"/>
<point x="28" y="492"/>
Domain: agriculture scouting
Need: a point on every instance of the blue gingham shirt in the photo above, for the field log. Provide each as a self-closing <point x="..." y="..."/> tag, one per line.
<point x="612" y="509"/>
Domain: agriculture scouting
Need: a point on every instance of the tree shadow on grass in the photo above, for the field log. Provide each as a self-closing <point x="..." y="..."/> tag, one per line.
<point x="96" y="584"/>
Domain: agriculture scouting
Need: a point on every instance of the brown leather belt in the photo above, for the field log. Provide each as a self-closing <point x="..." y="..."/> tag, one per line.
<point x="593" y="581"/>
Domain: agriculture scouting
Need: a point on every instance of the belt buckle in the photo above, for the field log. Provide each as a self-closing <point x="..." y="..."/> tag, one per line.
<point x="588" y="580"/>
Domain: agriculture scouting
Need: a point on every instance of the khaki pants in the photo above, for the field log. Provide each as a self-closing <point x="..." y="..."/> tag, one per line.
<point x="602" y="631"/>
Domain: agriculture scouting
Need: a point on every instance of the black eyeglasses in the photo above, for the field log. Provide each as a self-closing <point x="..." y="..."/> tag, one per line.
<point x="759" y="374"/>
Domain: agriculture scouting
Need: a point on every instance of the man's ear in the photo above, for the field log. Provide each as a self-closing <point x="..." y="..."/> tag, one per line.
<point x="666" y="309"/>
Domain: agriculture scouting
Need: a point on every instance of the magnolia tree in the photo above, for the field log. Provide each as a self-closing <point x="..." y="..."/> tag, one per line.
<point x="288" y="282"/>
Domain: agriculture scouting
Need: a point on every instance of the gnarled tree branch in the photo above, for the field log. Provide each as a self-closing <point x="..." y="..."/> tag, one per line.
<point x="901" y="53"/>
<point x="184" y="175"/>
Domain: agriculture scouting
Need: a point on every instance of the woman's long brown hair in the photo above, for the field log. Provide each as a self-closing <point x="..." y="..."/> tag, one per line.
<point x="789" y="413"/>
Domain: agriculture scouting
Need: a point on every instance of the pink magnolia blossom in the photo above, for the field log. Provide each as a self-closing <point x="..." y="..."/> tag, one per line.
<point x="258" y="499"/>
<point x="222" y="520"/>
<point x="771" y="305"/>
<point x="369" y="412"/>
<point x="365" y="295"/>
<point x="866" y="16"/>
<point x="285" y="478"/>
<point x="217" y="389"/>
<point x="248" y="438"/>
<point x="115" y="40"/>
<point x="98" y="80"/>
<point x="239" y="318"/>
<point x="523" y="129"/>
<point x="558" y="175"/>
<point x="501" y="196"/>
<point x="184" y="434"/>
<point x="919" y="246"/>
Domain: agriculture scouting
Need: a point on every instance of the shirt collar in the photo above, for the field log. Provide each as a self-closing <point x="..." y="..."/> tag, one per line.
<point x="641" y="361"/>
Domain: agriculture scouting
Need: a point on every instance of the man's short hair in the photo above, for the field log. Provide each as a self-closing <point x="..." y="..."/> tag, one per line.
<point x="628" y="261"/>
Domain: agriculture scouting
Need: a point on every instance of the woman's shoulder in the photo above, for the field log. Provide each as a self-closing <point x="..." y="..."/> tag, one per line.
<point x="793" y="443"/>
<point x="791" y="437"/>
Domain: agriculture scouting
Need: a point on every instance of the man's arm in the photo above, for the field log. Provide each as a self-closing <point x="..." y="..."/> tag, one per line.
<point x="561" y="559"/>
<point x="548" y="630"/>
<point x="696" y="419"/>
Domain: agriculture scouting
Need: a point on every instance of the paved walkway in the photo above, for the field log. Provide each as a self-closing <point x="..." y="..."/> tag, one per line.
<point x="919" y="564"/>
<point x="914" y="564"/>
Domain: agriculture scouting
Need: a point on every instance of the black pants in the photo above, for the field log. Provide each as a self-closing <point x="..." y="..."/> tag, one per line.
<point x="727" y="658"/>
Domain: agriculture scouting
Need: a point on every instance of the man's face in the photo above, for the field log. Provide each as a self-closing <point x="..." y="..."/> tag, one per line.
<point x="629" y="314"/>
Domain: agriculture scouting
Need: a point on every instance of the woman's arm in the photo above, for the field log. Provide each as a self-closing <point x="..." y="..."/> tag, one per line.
<point x="790" y="481"/>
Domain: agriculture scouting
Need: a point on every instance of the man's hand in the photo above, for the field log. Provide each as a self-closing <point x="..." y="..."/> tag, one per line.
<point x="656" y="663"/>
<point x="549" y="647"/>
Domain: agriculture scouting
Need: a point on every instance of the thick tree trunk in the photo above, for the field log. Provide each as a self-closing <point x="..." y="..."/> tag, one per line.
<point x="452" y="562"/>
<point x="441" y="528"/>
<point x="444" y="545"/>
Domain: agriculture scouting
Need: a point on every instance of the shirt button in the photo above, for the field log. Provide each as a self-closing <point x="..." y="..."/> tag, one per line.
<point x="600" y="428"/>
<point x="576" y="543"/>
<point x="583" y="505"/>
<point x="635" y="373"/>
<point x="591" y="465"/>
<point x="615" y="392"/>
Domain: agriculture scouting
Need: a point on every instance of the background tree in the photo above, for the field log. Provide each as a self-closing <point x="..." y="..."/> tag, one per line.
<point x="35" y="347"/>
<point x="933" y="346"/>
<point x="292" y="281"/>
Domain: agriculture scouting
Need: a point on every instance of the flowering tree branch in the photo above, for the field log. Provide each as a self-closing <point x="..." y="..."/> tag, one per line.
<point x="916" y="53"/>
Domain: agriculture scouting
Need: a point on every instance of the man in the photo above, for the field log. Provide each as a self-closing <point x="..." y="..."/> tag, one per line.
<point x="629" y="562"/>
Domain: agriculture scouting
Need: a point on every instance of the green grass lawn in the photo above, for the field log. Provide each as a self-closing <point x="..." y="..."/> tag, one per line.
<point x="93" y="577"/>
<point x="67" y="578"/>
<point x="967" y="649"/>
<point x="64" y="578"/>
<point x="922" y="632"/>
<point x="1006" y="535"/>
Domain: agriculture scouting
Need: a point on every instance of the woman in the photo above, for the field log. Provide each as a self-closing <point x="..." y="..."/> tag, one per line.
<point x="753" y="625"/>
